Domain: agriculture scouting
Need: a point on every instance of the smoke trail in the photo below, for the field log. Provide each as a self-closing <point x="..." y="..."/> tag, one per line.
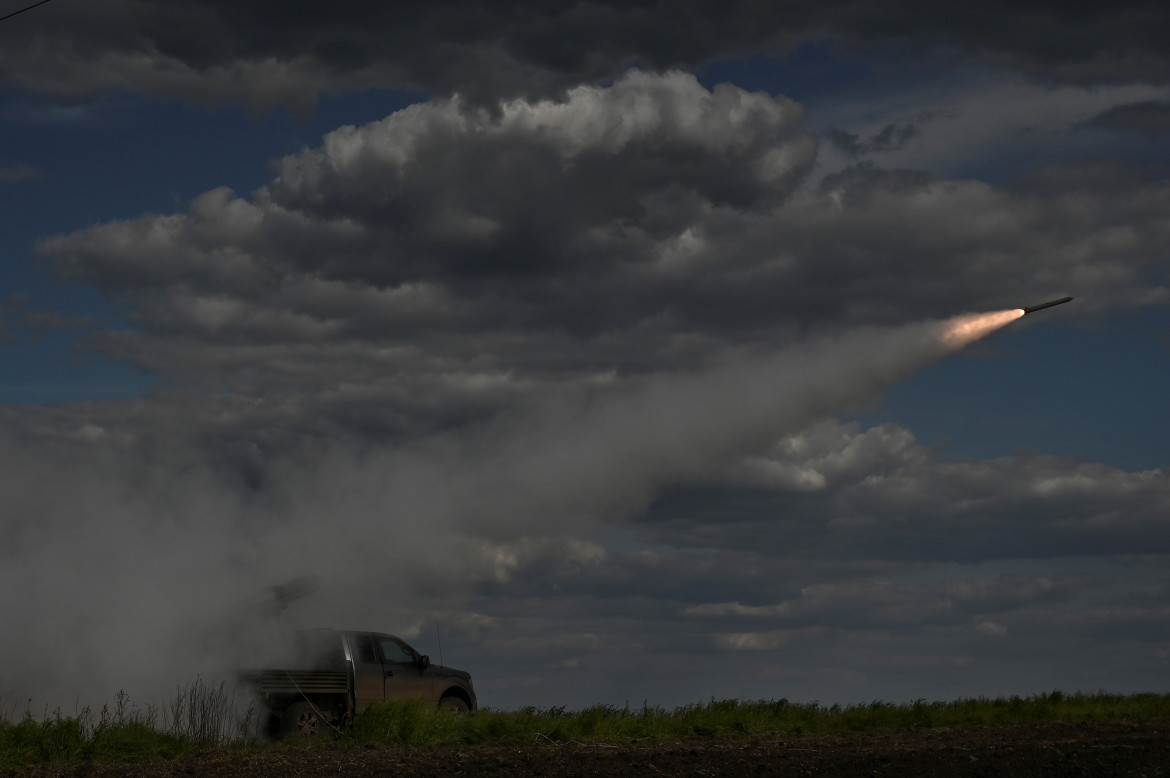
<point x="606" y="459"/>
<point x="133" y="559"/>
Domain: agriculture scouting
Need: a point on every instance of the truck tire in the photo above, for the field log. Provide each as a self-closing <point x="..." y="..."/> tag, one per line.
<point x="303" y="719"/>
<point x="454" y="704"/>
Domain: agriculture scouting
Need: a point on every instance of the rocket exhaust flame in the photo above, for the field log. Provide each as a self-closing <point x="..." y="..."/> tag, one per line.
<point x="961" y="330"/>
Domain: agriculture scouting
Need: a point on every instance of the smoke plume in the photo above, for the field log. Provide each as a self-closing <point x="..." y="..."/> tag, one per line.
<point x="132" y="564"/>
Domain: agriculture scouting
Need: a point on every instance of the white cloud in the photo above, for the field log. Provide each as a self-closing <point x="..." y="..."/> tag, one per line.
<point x="971" y="125"/>
<point x="752" y="641"/>
<point x="209" y="51"/>
<point x="991" y="629"/>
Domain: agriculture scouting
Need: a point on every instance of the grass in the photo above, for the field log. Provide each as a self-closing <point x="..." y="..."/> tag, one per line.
<point x="417" y="724"/>
<point x="202" y="718"/>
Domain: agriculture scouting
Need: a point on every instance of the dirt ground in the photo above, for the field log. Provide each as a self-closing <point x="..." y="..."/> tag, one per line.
<point x="1084" y="749"/>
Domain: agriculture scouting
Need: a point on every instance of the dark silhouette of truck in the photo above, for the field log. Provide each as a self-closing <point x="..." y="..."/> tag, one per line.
<point x="329" y="676"/>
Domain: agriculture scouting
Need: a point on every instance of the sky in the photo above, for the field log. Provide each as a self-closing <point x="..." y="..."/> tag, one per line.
<point x="606" y="349"/>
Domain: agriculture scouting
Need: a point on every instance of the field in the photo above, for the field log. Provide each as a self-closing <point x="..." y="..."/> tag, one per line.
<point x="1057" y="734"/>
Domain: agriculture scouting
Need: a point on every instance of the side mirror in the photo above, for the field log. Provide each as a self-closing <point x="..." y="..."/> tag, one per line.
<point x="424" y="662"/>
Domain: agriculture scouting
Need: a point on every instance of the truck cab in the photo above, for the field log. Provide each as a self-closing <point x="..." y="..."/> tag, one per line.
<point x="330" y="676"/>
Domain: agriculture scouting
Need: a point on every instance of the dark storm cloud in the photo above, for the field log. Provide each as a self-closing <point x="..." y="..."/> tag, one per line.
<point x="1151" y="118"/>
<point x="835" y="507"/>
<point x="838" y="570"/>
<point x="892" y="137"/>
<point x="449" y="243"/>
<point x="268" y="53"/>
<point x="879" y="494"/>
<point x="446" y="260"/>
<point x="864" y="604"/>
<point x="442" y="353"/>
<point x="455" y="278"/>
<point x="779" y="601"/>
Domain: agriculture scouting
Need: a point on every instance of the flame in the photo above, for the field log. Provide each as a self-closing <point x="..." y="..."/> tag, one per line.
<point x="961" y="330"/>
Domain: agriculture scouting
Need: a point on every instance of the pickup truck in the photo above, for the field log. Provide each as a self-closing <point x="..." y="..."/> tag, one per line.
<point x="333" y="675"/>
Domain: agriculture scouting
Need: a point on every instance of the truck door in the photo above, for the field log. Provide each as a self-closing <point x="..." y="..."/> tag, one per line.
<point x="404" y="679"/>
<point x="368" y="678"/>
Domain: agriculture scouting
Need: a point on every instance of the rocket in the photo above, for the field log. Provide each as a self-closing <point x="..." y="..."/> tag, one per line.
<point x="1048" y="304"/>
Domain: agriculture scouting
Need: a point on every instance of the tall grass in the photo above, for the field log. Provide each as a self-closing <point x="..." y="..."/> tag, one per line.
<point x="417" y="724"/>
<point x="203" y="717"/>
<point x="200" y="717"/>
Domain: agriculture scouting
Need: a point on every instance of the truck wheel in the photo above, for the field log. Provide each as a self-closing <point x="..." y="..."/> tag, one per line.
<point x="302" y="719"/>
<point x="454" y="704"/>
<point x="272" y="726"/>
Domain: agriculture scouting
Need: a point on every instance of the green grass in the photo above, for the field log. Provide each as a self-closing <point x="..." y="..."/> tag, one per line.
<point x="201" y="719"/>
<point x="417" y="724"/>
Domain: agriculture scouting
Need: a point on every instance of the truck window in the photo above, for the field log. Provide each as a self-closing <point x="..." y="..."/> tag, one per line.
<point x="365" y="650"/>
<point x="395" y="652"/>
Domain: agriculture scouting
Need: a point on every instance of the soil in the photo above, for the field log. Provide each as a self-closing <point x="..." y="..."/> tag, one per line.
<point x="1081" y="749"/>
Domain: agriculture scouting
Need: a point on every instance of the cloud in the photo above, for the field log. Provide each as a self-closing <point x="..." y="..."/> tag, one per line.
<point x="264" y="54"/>
<point x="868" y="604"/>
<point x="442" y="262"/>
<point x="542" y="224"/>
<point x="991" y="628"/>
<point x="892" y="137"/>
<point x="881" y="495"/>
<point x="1150" y="117"/>
<point x="437" y="360"/>
<point x="848" y="633"/>
<point x="992" y="125"/>
<point x="19" y="171"/>
<point x="846" y="583"/>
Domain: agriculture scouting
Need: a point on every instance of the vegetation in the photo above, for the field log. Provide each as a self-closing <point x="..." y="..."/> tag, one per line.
<point x="417" y="724"/>
<point x="202" y="718"/>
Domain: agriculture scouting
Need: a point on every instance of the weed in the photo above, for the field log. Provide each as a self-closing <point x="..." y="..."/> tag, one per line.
<point x="416" y="724"/>
<point x="203" y="717"/>
<point x="200" y="717"/>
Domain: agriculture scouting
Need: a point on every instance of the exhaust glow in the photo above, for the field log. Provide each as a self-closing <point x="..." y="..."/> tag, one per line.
<point x="961" y="330"/>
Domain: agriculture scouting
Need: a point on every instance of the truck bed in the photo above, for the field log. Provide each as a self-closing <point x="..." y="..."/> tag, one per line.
<point x="303" y="681"/>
